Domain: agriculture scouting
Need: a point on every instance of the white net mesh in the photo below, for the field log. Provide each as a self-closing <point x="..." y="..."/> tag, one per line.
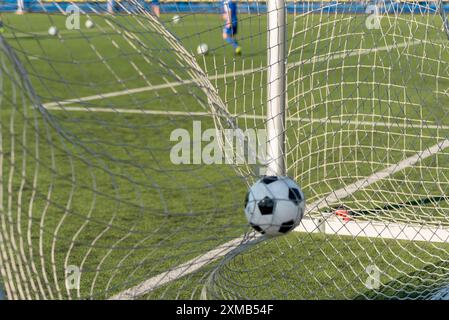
<point x="102" y="196"/>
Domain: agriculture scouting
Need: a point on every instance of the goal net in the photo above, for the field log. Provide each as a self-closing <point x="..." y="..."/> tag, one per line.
<point x="130" y="132"/>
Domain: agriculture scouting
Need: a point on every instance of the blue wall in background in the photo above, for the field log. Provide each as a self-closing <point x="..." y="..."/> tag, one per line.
<point x="244" y="7"/>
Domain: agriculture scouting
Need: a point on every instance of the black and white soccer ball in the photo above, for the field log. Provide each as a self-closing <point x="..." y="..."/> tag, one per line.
<point x="274" y="205"/>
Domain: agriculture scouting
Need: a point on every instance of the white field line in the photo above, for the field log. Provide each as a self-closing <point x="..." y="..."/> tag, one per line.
<point x="228" y="75"/>
<point x="178" y="272"/>
<point x="397" y="230"/>
<point x="146" y="89"/>
<point x="330" y="225"/>
<point x="129" y="111"/>
<point x="355" y="52"/>
<point x="382" y="174"/>
<point x="244" y="116"/>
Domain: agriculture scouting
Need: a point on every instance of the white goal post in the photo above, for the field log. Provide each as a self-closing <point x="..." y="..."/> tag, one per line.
<point x="276" y="61"/>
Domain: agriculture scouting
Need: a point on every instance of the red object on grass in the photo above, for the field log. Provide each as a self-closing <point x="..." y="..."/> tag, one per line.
<point x="344" y="214"/>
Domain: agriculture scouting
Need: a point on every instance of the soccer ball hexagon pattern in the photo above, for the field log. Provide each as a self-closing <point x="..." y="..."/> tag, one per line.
<point x="274" y="205"/>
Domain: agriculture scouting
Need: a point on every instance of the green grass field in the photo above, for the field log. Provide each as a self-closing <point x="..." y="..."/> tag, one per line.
<point x="98" y="190"/>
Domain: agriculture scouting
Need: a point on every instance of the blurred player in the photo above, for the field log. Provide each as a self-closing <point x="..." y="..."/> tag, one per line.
<point x="2" y="28"/>
<point x="155" y="8"/>
<point x="231" y="24"/>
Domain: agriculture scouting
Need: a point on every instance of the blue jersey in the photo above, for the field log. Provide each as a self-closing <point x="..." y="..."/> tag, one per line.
<point x="230" y="7"/>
